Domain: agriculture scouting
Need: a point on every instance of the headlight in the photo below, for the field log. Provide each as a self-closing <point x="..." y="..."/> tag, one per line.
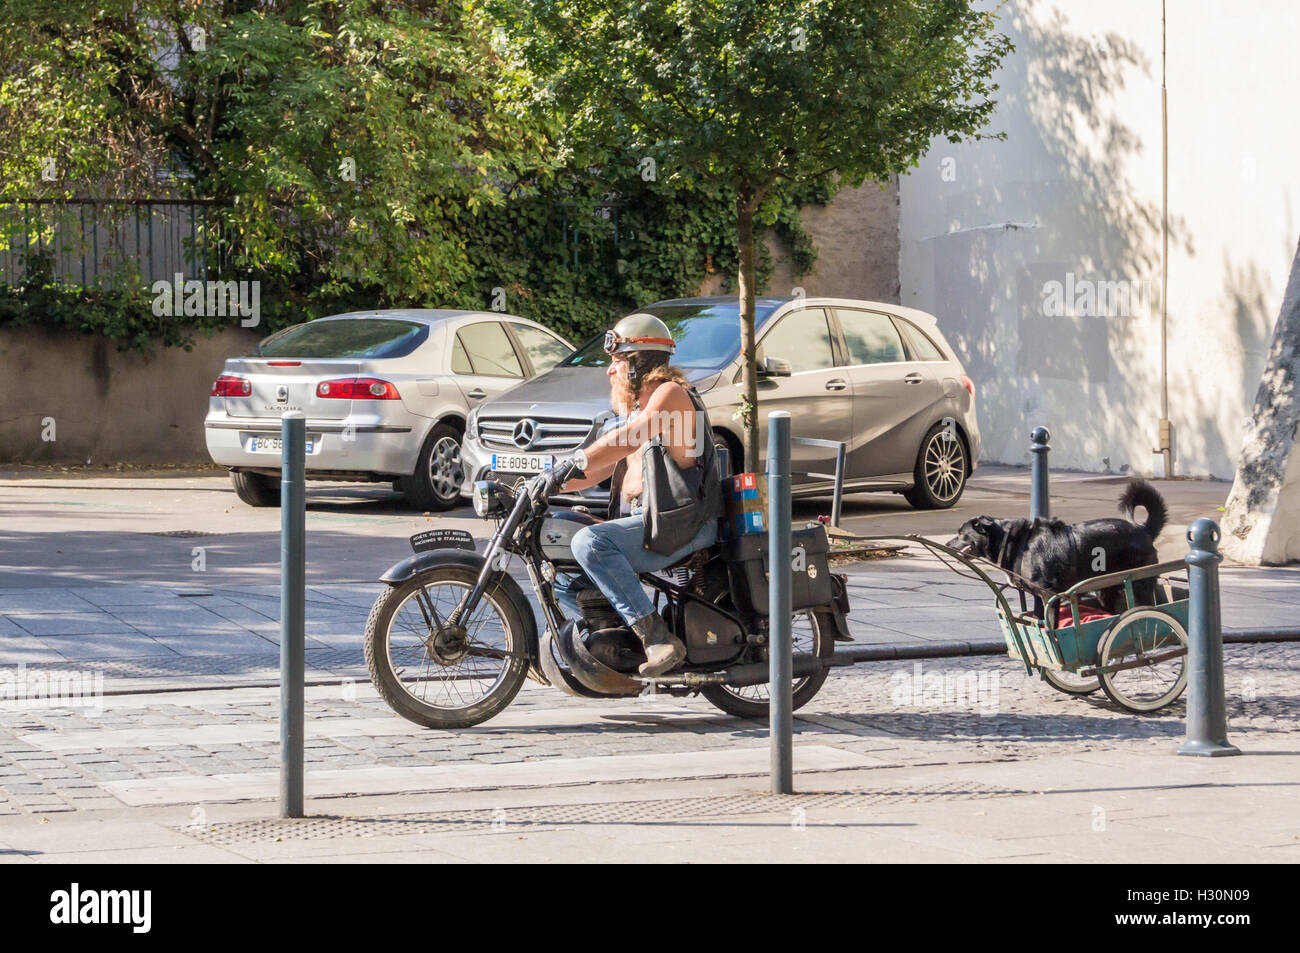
<point x="471" y="425"/>
<point x="487" y="499"/>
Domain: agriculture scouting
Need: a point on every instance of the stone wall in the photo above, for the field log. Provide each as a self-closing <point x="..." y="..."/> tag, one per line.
<point x="102" y="405"/>
<point x="856" y="236"/>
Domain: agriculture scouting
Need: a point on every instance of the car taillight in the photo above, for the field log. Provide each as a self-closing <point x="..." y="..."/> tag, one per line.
<point x="227" y="385"/>
<point x="357" y="388"/>
<point x="969" y="384"/>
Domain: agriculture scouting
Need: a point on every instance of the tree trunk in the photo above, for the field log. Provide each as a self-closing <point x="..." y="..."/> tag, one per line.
<point x="1261" y="523"/>
<point x="746" y="205"/>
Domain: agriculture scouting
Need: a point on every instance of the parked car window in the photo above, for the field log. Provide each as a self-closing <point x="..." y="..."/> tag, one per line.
<point x="459" y="359"/>
<point x="489" y="350"/>
<point x="346" y="337"/>
<point x="706" y="335"/>
<point x="922" y="346"/>
<point x="803" y="339"/>
<point x="871" y="338"/>
<point x="544" y="350"/>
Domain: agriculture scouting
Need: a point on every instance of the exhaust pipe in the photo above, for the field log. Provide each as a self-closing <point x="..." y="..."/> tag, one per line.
<point x="759" y="673"/>
<point x="740" y="676"/>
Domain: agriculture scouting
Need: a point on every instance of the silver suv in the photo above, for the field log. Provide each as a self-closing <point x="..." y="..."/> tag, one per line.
<point x="878" y="377"/>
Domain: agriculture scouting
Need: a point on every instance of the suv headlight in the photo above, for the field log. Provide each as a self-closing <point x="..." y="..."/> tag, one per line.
<point x="471" y="425"/>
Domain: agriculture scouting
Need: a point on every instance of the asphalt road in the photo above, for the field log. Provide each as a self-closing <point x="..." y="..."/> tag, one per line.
<point x="94" y="527"/>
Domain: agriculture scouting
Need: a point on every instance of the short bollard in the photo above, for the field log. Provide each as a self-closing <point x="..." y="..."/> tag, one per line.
<point x="838" y="499"/>
<point x="293" y="583"/>
<point x="1207" y="718"/>
<point x="780" y="641"/>
<point x="1039" y="445"/>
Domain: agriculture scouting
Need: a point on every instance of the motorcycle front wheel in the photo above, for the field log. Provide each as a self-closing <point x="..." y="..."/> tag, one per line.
<point x="440" y="676"/>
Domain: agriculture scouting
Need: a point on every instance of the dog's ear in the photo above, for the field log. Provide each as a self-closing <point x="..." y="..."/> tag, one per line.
<point x="982" y="525"/>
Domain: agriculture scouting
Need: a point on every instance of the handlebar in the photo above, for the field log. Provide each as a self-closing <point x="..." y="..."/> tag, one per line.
<point x="548" y="481"/>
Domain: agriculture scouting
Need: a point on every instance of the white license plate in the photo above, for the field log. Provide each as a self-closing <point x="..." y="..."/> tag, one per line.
<point x="272" y="444"/>
<point x="522" y="462"/>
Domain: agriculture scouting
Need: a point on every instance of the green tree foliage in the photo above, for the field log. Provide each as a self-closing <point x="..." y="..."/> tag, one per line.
<point x="369" y="155"/>
<point x="757" y="98"/>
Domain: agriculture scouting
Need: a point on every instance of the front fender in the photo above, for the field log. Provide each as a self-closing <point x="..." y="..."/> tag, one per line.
<point x="413" y="566"/>
<point x="431" y="559"/>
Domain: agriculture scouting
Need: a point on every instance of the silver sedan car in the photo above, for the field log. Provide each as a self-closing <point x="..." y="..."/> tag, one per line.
<point x="877" y="377"/>
<point x="386" y="395"/>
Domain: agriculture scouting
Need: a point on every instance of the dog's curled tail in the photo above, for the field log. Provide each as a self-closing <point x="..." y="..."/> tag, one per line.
<point x="1143" y="494"/>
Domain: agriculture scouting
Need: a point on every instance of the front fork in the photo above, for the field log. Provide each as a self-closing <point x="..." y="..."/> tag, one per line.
<point x="465" y="608"/>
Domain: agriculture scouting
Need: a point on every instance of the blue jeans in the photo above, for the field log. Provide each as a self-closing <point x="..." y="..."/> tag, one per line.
<point x="612" y="554"/>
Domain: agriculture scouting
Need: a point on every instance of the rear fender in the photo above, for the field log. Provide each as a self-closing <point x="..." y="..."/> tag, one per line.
<point x="413" y="566"/>
<point x="831" y="617"/>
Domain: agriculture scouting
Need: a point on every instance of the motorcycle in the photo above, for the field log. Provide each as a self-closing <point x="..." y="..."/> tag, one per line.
<point x="453" y="637"/>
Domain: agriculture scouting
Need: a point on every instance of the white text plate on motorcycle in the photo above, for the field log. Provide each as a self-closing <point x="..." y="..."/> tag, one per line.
<point x="442" y="539"/>
<point x="522" y="462"/>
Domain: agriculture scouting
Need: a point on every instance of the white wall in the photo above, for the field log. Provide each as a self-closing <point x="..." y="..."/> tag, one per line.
<point x="1075" y="190"/>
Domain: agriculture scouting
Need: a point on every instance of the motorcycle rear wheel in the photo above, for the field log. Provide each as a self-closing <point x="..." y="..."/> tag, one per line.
<point x="438" y="683"/>
<point x="751" y="701"/>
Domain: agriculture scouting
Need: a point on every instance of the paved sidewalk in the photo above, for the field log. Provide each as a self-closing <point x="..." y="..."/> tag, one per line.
<point x="897" y="762"/>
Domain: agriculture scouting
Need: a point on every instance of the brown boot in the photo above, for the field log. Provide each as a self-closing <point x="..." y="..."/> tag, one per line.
<point x="663" y="650"/>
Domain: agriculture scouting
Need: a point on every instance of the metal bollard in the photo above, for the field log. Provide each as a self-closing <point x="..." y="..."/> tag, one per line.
<point x="1039" y="505"/>
<point x="293" y="584"/>
<point x="1207" y="718"/>
<point x="780" y="640"/>
<point x="839" y="484"/>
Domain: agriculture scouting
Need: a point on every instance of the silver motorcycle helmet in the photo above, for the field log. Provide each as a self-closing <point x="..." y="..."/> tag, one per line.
<point x="644" y="340"/>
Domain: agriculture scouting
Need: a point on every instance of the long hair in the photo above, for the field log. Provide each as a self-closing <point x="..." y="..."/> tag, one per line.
<point x="664" y="372"/>
<point x="624" y="396"/>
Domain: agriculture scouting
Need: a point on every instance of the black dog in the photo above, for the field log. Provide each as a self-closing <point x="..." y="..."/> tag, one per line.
<point x="1057" y="555"/>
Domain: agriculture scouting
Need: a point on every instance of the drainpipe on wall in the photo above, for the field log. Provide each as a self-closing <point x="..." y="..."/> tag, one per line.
<point x="1165" y="446"/>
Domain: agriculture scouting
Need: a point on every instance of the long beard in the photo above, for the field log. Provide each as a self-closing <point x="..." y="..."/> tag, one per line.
<point x="622" y="395"/>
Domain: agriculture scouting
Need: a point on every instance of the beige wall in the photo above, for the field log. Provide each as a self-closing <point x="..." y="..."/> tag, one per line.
<point x="107" y="406"/>
<point x="1072" y="195"/>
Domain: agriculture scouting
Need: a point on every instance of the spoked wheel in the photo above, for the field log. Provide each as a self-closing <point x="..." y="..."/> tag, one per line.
<point x="436" y="674"/>
<point x="1152" y="647"/>
<point x="941" y="470"/>
<point x="1070" y="683"/>
<point x="751" y="701"/>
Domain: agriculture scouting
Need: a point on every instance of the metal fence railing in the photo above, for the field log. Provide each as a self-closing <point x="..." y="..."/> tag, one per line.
<point x="91" y="240"/>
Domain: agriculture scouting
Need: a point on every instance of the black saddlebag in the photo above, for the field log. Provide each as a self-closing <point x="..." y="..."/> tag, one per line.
<point x="810" y="583"/>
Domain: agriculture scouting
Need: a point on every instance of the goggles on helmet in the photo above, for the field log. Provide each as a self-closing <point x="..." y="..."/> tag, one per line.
<point x="613" y="342"/>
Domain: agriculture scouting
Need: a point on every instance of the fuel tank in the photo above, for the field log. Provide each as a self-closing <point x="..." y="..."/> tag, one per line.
<point x="555" y="532"/>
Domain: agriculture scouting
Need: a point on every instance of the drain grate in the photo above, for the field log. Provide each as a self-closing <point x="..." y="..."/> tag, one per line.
<point x="621" y="812"/>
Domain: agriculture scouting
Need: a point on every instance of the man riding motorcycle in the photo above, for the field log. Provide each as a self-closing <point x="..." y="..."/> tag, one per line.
<point x="656" y="401"/>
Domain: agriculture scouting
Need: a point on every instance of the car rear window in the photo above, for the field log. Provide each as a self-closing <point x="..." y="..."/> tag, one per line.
<point x="871" y="337"/>
<point x="347" y="337"/>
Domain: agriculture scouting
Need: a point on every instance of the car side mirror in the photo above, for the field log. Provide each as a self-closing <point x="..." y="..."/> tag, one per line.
<point x="774" y="367"/>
